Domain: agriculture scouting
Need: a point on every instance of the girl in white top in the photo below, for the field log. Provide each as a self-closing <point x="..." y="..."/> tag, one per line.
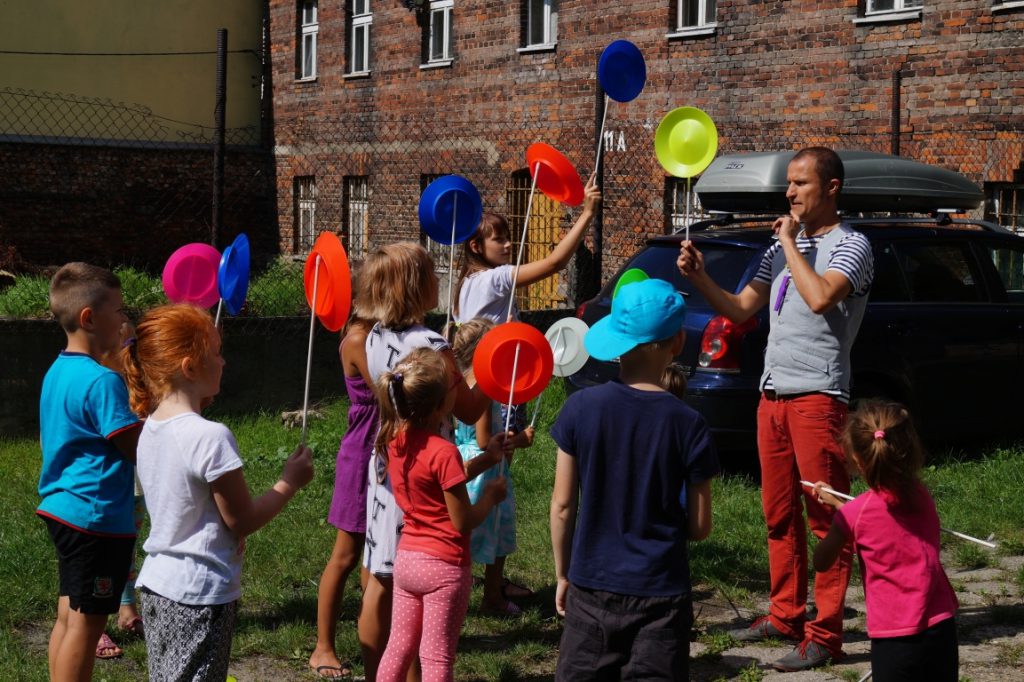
<point x="485" y="281"/>
<point x="199" y="504"/>
<point x="398" y="286"/>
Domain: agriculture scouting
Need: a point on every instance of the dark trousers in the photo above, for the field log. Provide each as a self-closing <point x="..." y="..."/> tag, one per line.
<point x="930" y="655"/>
<point x="611" y="636"/>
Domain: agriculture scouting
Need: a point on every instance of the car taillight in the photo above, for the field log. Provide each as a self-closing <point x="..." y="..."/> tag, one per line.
<point x="720" y="344"/>
<point x="580" y="310"/>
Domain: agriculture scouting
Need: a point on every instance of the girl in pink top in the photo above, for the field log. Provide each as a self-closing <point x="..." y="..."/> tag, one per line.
<point x="432" y="568"/>
<point x="895" y="530"/>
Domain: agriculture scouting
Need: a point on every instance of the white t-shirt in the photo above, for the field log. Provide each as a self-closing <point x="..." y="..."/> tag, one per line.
<point x="485" y="294"/>
<point x="385" y="348"/>
<point x="191" y="556"/>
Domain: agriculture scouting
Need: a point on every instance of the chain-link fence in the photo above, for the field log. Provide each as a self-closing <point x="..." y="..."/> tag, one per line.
<point x="361" y="176"/>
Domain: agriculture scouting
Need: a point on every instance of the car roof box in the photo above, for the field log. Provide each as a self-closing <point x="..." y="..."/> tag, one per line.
<point x="875" y="183"/>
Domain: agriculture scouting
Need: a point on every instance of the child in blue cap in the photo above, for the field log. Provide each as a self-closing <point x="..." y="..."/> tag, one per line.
<point x="618" y="528"/>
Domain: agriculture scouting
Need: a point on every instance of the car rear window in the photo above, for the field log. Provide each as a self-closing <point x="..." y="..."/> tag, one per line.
<point x="725" y="263"/>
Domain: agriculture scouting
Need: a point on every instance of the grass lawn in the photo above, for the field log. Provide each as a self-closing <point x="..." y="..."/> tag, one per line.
<point x="975" y="495"/>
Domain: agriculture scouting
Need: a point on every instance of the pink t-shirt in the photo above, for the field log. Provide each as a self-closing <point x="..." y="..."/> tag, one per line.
<point x="905" y="587"/>
<point x="422" y="465"/>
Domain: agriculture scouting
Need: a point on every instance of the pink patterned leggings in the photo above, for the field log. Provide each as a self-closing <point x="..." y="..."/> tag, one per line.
<point x="429" y="606"/>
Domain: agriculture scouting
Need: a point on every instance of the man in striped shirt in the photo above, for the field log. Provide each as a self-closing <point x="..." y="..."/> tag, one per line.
<point x="816" y="279"/>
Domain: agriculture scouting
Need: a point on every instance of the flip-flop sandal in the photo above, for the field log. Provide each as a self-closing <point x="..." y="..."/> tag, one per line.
<point x="107" y="649"/>
<point x="511" y="590"/>
<point x="134" y="628"/>
<point x="344" y="670"/>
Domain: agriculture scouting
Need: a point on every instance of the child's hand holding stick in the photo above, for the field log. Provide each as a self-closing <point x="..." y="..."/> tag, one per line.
<point x="820" y="488"/>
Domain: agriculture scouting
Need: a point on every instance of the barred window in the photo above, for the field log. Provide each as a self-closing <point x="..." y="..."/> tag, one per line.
<point x="356" y="214"/>
<point x="675" y="205"/>
<point x="305" y="212"/>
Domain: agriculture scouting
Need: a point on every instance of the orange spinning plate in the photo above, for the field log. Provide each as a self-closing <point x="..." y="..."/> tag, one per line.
<point x="556" y="177"/>
<point x="334" y="282"/>
<point x="496" y="355"/>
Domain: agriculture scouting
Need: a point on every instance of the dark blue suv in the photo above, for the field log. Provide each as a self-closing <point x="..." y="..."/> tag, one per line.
<point x="943" y="331"/>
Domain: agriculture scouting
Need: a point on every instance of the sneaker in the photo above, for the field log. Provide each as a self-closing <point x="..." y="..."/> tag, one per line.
<point x="758" y="631"/>
<point x="806" y="655"/>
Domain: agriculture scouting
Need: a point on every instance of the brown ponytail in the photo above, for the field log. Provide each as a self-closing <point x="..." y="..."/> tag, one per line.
<point x="882" y="439"/>
<point x="410" y="394"/>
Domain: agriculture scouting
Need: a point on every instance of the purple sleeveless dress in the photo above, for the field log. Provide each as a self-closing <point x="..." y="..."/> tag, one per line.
<point x="348" y="506"/>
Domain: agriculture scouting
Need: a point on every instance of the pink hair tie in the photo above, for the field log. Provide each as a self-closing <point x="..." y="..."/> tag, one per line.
<point x="879" y="434"/>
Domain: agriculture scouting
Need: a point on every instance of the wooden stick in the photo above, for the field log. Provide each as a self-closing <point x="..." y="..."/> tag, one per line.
<point x="522" y="244"/>
<point x="216" y="320"/>
<point x="944" y="530"/>
<point x="451" y="264"/>
<point x="309" y="353"/>
<point x="600" y="137"/>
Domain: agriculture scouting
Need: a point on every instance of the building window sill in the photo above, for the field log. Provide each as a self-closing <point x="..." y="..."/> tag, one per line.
<point x="356" y="74"/>
<point x="540" y="47"/>
<point x="1007" y="6"/>
<point x="305" y="81"/>
<point x="887" y="17"/>
<point x="439" y="64"/>
<point x="694" y="32"/>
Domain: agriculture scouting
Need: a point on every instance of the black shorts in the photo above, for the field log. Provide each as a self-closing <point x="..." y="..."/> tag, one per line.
<point x="610" y="637"/>
<point x="93" y="568"/>
<point x="931" y="655"/>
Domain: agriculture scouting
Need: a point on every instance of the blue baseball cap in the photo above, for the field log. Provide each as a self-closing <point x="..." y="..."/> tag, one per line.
<point x="646" y="311"/>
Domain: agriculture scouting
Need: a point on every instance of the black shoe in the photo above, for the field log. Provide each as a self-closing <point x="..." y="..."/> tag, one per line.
<point x="758" y="631"/>
<point x="807" y="654"/>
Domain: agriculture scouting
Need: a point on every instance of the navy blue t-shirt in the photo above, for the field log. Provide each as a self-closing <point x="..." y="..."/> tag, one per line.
<point x="634" y="450"/>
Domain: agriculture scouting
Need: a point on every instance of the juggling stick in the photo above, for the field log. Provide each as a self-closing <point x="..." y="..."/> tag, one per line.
<point x="687" y="209"/>
<point x="519" y="258"/>
<point x="451" y="263"/>
<point x="508" y="420"/>
<point x="600" y="137"/>
<point x="985" y="543"/>
<point x="220" y="305"/>
<point x="309" y="352"/>
<point x="867" y="676"/>
<point x="536" y="410"/>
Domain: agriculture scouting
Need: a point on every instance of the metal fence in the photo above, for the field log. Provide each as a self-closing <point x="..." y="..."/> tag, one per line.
<point x="361" y="176"/>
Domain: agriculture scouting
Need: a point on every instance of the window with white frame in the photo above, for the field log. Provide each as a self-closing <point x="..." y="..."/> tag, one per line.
<point x="359" y="37"/>
<point x="439" y="31"/>
<point x="305" y="212"/>
<point x="308" y="28"/>
<point x="884" y="6"/>
<point x="692" y="14"/>
<point x="676" y="216"/>
<point x="356" y="212"/>
<point x="541" y="23"/>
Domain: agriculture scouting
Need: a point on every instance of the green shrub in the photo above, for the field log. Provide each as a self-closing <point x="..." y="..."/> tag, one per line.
<point x="141" y="290"/>
<point x="29" y="296"/>
<point x="278" y="291"/>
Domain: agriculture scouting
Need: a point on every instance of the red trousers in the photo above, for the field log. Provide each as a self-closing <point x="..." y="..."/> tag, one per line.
<point x="797" y="439"/>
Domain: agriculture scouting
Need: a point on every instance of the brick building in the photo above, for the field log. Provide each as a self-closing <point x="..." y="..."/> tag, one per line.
<point x="372" y="99"/>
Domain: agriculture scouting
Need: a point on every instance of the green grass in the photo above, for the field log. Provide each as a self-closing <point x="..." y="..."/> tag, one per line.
<point x="284" y="560"/>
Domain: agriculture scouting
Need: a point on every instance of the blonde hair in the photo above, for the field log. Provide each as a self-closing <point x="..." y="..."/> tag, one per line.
<point x="467" y="336"/>
<point x="163" y="338"/>
<point x="78" y="286"/>
<point x="410" y="393"/>
<point x="397" y="283"/>
<point x="491" y="224"/>
<point x="881" y="438"/>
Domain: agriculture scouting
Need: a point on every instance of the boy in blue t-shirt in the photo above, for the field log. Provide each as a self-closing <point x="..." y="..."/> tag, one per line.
<point x="626" y="449"/>
<point x="88" y="436"/>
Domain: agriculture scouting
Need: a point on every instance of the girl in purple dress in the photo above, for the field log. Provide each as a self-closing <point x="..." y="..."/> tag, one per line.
<point x="348" y="506"/>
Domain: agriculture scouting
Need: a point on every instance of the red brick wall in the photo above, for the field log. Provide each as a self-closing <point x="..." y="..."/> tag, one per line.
<point x="114" y="205"/>
<point x="775" y="75"/>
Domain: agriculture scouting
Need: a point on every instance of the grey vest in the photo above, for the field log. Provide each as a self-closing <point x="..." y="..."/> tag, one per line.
<point x="808" y="352"/>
